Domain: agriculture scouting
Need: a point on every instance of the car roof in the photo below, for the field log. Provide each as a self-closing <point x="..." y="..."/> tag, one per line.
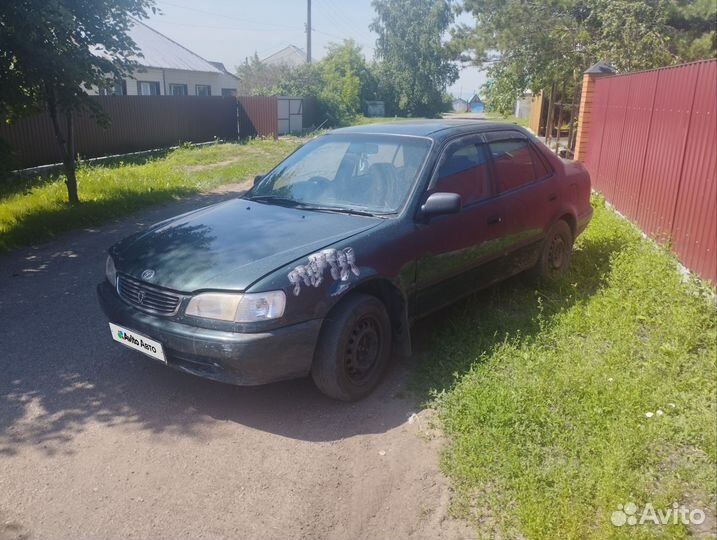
<point x="433" y="129"/>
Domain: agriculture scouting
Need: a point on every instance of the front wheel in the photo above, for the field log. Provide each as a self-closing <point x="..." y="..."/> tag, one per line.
<point x="354" y="348"/>
<point x="557" y="250"/>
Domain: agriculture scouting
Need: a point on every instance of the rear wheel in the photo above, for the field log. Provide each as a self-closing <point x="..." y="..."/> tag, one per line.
<point x="557" y="251"/>
<point x="354" y="348"/>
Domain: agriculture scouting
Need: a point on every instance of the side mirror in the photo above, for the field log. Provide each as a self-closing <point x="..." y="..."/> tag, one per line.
<point x="258" y="179"/>
<point x="440" y="204"/>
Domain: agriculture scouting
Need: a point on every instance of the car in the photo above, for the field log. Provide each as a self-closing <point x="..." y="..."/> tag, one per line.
<point x="323" y="265"/>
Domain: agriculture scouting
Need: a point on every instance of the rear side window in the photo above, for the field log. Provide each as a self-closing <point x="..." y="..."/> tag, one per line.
<point x="541" y="169"/>
<point x="464" y="170"/>
<point x="516" y="162"/>
<point x="513" y="163"/>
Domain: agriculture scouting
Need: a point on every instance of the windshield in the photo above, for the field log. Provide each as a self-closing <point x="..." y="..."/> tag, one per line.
<point x="370" y="173"/>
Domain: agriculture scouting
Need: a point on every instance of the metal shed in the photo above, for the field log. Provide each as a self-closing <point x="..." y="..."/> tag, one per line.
<point x="290" y="114"/>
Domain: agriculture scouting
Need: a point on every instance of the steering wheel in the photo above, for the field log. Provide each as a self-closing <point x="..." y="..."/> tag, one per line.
<point x="311" y="188"/>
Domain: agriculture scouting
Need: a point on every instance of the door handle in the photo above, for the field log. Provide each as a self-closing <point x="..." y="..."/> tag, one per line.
<point x="553" y="198"/>
<point x="495" y="220"/>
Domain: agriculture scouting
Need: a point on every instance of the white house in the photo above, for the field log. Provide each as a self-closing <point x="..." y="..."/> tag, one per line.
<point x="167" y="68"/>
<point x="290" y="55"/>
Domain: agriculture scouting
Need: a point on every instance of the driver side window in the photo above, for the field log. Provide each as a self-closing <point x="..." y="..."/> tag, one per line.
<point x="464" y="170"/>
<point x="328" y="158"/>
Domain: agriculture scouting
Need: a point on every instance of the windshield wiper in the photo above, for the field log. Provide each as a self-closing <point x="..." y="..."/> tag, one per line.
<point x="340" y="210"/>
<point x="304" y="206"/>
<point x="274" y="198"/>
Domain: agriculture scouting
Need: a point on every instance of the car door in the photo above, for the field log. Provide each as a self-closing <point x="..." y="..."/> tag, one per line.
<point x="457" y="252"/>
<point x="525" y="184"/>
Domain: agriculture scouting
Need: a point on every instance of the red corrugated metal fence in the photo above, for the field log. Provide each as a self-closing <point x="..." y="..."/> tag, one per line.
<point x="137" y="123"/>
<point x="653" y="154"/>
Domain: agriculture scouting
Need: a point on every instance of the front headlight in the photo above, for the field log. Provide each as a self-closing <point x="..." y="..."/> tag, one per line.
<point x="242" y="308"/>
<point x="111" y="271"/>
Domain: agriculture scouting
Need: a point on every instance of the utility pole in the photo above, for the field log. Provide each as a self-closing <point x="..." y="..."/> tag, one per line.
<point x="308" y="31"/>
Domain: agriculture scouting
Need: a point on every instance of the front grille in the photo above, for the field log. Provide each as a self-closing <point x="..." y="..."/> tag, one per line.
<point x="147" y="297"/>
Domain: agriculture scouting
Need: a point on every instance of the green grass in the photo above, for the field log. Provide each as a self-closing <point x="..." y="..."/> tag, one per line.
<point x="34" y="208"/>
<point x="509" y="119"/>
<point x="543" y="392"/>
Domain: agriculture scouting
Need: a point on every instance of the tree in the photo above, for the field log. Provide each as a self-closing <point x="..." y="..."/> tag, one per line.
<point x="340" y="82"/>
<point x="694" y="24"/>
<point x="500" y="90"/>
<point x="260" y="79"/>
<point x="346" y="81"/>
<point x="413" y="65"/>
<point x="52" y="51"/>
<point x="534" y="46"/>
<point x="301" y="80"/>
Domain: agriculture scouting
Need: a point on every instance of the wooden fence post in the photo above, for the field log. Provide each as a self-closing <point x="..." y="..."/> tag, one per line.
<point x="593" y="73"/>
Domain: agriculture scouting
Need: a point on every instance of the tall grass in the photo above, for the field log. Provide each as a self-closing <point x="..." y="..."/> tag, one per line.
<point x="34" y="209"/>
<point x="565" y="400"/>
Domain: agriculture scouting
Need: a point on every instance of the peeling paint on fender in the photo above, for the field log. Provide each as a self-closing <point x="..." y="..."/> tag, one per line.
<point x="340" y="262"/>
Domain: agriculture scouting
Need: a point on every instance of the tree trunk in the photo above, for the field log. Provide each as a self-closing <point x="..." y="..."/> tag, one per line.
<point x="70" y="162"/>
<point x="67" y="148"/>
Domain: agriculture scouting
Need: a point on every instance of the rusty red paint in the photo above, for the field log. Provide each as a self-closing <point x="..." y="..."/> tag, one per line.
<point x="258" y="116"/>
<point x="652" y="153"/>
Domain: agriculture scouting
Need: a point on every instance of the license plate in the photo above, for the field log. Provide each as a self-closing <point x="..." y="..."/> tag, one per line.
<point x="138" y="342"/>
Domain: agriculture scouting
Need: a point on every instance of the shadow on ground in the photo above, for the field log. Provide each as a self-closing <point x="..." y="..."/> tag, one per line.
<point x="61" y="372"/>
<point x="25" y="180"/>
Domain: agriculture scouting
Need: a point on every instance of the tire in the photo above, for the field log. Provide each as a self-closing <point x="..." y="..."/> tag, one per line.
<point x="354" y="348"/>
<point x="557" y="250"/>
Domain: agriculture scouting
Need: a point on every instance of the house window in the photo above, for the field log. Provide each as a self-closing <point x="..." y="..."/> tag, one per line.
<point x="203" y="90"/>
<point x="147" y="88"/>
<point x="177" y="89"/>
<point x="229" y="92"/>
<point x="117" y="89"/>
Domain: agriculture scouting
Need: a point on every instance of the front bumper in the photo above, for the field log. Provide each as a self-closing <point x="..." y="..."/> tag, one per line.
<point x="236" y="358"/>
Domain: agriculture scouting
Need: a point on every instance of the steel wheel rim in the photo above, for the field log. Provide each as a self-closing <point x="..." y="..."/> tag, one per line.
<point x="556" y="254"/>
<point x="363" y="349"/>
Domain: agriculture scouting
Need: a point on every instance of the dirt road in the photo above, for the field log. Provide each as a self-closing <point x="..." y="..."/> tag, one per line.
<point x="98" y="442"/>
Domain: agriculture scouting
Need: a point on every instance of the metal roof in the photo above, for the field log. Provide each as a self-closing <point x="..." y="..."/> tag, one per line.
<point x="158" y="51"/>
<point x="290" y="55"/>
<point x="600" y="68"/>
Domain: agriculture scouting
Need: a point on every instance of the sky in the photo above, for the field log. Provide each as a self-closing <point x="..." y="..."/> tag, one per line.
<point x="228" y="31"/>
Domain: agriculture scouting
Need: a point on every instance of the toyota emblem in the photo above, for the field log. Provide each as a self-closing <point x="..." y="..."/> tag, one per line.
<point x="148" y="275"/>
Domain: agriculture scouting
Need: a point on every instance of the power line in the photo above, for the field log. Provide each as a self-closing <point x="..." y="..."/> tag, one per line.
<point x="225" y="16"/>
<point x="337" y="18"/>
<point x="248" y="21"/>
<point x="328" y="13"/>
<point x="212" y="27"/>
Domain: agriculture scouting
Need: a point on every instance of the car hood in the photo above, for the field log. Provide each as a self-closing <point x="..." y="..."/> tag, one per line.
<point x="232" y="244"/>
